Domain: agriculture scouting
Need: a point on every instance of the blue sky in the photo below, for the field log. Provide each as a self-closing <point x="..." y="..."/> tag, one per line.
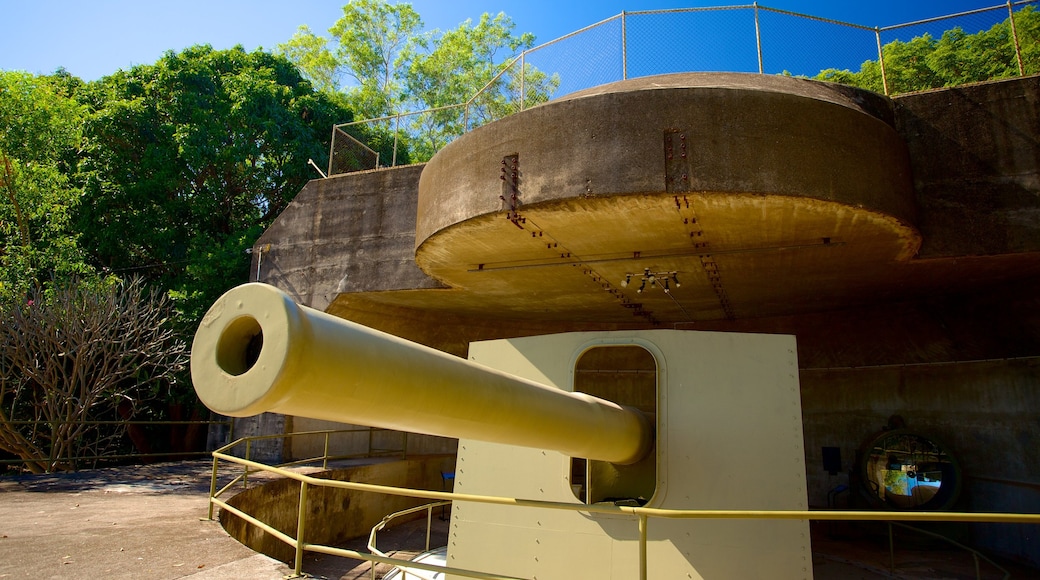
<point x="94" y="38"/>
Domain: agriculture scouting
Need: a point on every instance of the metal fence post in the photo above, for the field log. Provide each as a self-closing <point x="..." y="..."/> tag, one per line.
<point x="624" y="47"/>
<point x="881" y="59"/>
<point x="1014" y="38"/>
<point x="332" y="154"/>
<point x="245" y="476"/>
<point x="212" y="488"/>
<point x="325" y="454"/>
<point x="429" y="524"/>
<point x="397" y="128"/>
<point x="523" y="77"/>
<point x="642" y="547"/>
<point x="300" y="528"/>
<point x="758" y="41"/>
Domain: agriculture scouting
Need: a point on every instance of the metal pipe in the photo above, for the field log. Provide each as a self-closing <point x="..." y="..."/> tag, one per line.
<point x="758" y="41"/>
<point x="429" y="525"/>
<point x="608" y="508"/>
<point x="881" y="59"/>
<point x="301" y="528"/>
<point x="624" y="47"/>
<point x="212" y="489"/>
<point x="642" y="547"/>
<point x="325" y="453"/>
<point x="256" y="350"/>
<point x="1014" y="39"/>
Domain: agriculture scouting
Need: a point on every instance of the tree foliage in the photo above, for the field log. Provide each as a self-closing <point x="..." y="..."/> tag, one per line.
<point x="186" y="161"/>
<point x="40" y="127"/>
<point x="462" y="65"/>
<point x="312" y="56"/>
<point x="373" y="41"/>
<point x="76" y="354"/>
<point x="169" y="171"/>
<point x="394" y="68"/>
<point x="956" y="58"/>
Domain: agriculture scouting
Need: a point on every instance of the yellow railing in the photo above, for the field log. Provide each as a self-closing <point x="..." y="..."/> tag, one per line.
<point x="324" y="458"/>
<point x="640" y="514"/>
<point x="428" y="508"/>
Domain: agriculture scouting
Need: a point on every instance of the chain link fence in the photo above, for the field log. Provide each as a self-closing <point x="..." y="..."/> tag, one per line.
<point x="748" y="38"/>
<point x="349" y="154"/>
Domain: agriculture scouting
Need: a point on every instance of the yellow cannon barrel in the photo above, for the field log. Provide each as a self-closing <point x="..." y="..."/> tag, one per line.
<point x="256" y="350"/>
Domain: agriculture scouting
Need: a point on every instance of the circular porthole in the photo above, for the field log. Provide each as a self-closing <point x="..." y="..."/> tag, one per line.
<point x="905" y="470"/>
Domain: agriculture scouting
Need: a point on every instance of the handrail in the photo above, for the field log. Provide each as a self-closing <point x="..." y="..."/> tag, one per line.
<point x="640" y="514"/>
<point x="324" y="457"/>
<point x="387" y="519"/>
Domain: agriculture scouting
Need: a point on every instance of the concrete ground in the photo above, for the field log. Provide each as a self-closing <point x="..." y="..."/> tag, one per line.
<point x="150" y="522"/>
<point x="131" y="522"/>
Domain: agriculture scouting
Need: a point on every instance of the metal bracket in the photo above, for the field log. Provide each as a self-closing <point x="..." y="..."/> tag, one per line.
<point x="510" y="176"/>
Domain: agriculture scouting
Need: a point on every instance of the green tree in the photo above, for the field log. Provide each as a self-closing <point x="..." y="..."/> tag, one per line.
<point x="40" y="128"/>
<point x="186" y="161"/>
<point x="373" y="40"/>
<point x="455" y="65"/>
<point x="393" y="68"/>
<point x="310" y="53"/>
<point x="955" y="58"/>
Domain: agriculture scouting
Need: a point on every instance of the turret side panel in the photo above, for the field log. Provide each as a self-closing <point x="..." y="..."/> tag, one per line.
<point x="729" y="437"/>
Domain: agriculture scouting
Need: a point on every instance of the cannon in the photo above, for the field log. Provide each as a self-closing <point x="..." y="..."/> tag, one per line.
<point x="256" y="350"/>
<point x="681" y="420"/>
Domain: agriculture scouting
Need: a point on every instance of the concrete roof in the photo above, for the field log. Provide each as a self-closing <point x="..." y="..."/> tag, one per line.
<point x="765" y="196"/>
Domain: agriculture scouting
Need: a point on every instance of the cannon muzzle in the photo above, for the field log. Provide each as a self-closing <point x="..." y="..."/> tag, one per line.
<point x="256" y="350"/>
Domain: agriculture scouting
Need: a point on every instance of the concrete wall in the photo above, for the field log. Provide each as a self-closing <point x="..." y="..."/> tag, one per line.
<point x="987" y="413"/>
<point x="351" y="233"/>
<point x="362" y="442"/>
<point x="976" y="166"/>
<point x="270" y="451"/>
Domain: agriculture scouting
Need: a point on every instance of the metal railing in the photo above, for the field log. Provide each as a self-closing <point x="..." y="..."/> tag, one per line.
<point x="640" y="516"/>
<point x="428" y="508"/>
<point x="323" y="459"/>
<point x="743" y="38"/>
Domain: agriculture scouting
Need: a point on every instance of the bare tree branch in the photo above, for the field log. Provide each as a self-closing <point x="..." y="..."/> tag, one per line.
<point x="70" y="356"/>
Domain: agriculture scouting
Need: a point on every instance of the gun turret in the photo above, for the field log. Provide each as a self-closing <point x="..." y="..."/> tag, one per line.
<point x="256" y="350"/>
